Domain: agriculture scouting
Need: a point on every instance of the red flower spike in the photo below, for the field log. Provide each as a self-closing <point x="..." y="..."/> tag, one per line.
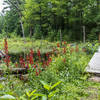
<point x="47" y="54"/>
<point x="64" y="51"/>
<point x="47" y="63"/>
<point x="39" y="55"/>
<point x="16" y="64"/>
<point x="7" y="58"/>
<point x="49" y="60"/>
<point x="58" y="45"/>
<point x="22" y="62"/>
<point x="40" y="71"/>
<point x="34" y="66"/>
<point x="31" y="57"/>
<point x="37" y="73"/>
<point x="65" y="43"/>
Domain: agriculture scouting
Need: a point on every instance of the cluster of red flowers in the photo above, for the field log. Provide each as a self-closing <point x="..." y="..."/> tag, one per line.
<point x="30" y="57"/>
<point x="64" y="50"/>
<point x="22" y="61"/>
<point x="7" y="57"/>
<point x="58" y="45"/>
<point x="39" y="55"/>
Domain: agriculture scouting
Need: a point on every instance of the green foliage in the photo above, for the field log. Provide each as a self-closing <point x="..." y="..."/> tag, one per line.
<point x="46" y="96"/>
<point x="44" y="18"/>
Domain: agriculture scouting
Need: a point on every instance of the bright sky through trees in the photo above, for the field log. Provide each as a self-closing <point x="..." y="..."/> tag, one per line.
<point x="1" y="5"/>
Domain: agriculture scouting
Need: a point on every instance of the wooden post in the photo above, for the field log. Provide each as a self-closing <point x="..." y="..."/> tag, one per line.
<point x="60" y="37"/>
<point x="99" y="37"/>
<point x="84" y="34"/>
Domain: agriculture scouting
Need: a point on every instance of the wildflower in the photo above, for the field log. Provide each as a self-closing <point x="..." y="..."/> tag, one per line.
<point x="16" y="64"/>
<point x="7" y="58"/>
<point x="34" y="66"/>
<point x="40" y="71"/>
<point x="47" y="63"/>
<point x="31" y="57"/>
<point x="49" y="60"/>
<point x="64" y="42"/>
<point x="58" y="45"/>
<point x="39" y="54"/>
<point x="37" y="73"/>
<point x="47" y="54"/>
<point x="77" y="48"/>
<point x="22" y="62"/>
<point x="64" y="51"/>
<point x="44" y="63"/>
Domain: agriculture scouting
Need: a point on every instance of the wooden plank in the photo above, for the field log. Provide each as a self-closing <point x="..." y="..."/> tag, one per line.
<point x="14" y="71"/>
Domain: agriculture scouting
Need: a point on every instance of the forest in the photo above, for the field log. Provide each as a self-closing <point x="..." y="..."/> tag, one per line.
<point x="45" y="47"/>
<point x="46" y="18"/>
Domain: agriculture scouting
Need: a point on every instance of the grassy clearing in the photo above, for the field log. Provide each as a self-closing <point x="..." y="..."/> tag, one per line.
<point x="18" y="45"/>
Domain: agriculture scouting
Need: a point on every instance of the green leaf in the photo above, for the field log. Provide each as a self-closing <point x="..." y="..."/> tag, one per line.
<point x="1" y="86"/>
<point x="52" y="93"/>
<point x="55" y="85"/>
<point x="44" y="97"/>
<point x="38" y="94"/>
<point x="30" y="94"/>
<point x="7" y="97"/>
<point x="34" y="97"/>
<point x="46" y="86"/>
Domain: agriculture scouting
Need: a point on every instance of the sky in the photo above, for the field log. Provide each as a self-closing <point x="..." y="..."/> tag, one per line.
<point x="1" y="5"/>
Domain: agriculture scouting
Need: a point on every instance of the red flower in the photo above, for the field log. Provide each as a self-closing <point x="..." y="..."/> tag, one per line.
<point x="64" y="50"/>
<point x="22" y="62"/>
<point x="34" y="66"/>
<point x="16" y="64"/>
<point x="31" y="57"/>
<point x="39" y="54"/>
<point x="47" y="63"/>
<point x="40" y="71"/>
<point x="6" y="46"/>
<point x="64" y="42"/>
<point x="49" y="60"/>
<point x="7" y="58"/>
<point x="47" y="54"/>
<point x="27" y="59"/>
<point x="58" y="45"/>
<point x="37" y="73"/>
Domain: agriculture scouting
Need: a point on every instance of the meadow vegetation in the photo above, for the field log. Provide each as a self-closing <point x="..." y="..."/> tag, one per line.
<point x="59" y="76"/>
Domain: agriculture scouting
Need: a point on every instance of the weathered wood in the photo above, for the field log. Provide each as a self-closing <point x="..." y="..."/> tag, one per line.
<point x="94" y="64"/>
<point x="14" y="71"/>
<point x="99" y="37"/>
<point x="95" y="79"/>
